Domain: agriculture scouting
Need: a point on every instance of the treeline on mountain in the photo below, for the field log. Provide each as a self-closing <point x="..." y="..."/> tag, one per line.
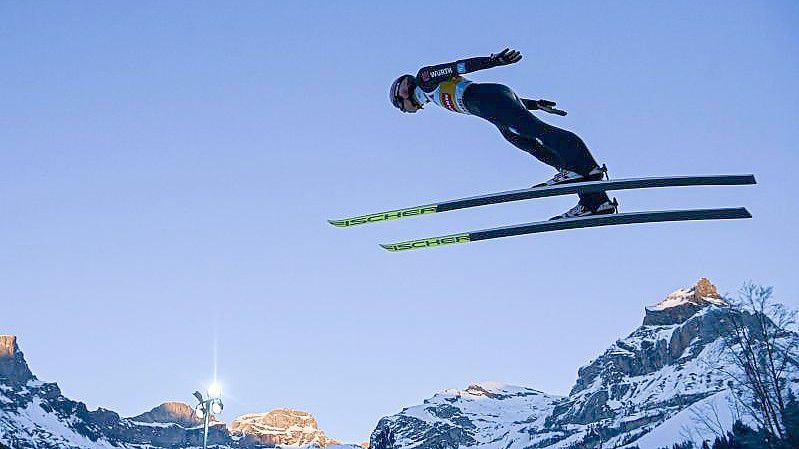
<point x="744" y="437"/>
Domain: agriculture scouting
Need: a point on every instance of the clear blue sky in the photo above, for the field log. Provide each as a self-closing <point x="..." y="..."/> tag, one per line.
<point x="166" y="168"/>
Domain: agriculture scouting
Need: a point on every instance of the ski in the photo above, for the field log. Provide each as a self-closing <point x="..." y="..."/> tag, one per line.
<point x="540" y="192"/>
<point x="573" y="223"/>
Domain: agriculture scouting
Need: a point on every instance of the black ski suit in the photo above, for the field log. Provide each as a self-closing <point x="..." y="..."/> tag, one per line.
<point x="497" y="103"/>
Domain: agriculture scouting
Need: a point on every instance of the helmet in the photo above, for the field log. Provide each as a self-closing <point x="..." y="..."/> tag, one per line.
<point x="394" y="95"/>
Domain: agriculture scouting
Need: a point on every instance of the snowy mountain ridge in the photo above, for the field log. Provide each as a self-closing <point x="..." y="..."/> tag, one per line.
<point x="700" y="294"/>
<point x="644" y="390"/>
<point x="35" y="415"/>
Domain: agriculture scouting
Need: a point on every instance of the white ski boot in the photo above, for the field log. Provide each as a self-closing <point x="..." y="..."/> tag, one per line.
<point x="580" y="210"/>
<point x="567" y="176"/>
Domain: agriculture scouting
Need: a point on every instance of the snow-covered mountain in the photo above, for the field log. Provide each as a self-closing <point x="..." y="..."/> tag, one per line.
<point x="646" y="389"/>
<point x="35" y="415"/>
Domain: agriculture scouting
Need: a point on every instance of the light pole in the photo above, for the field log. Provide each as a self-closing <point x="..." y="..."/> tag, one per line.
<point x="208" y="407"/>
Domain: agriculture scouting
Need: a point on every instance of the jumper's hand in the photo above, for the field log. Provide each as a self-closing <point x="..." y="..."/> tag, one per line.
<point x="505" y="57"/>
<point x="549" y="106"/>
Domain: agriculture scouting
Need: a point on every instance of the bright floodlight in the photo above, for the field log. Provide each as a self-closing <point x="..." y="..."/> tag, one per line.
<point x="199" y="411"/>
<point x="215" y="390"/>
<point x="216" y="407"/>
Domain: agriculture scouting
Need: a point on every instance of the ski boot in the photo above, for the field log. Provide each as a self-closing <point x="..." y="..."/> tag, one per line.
<point x="581" y="210"/>
<point x="564" y="176"/>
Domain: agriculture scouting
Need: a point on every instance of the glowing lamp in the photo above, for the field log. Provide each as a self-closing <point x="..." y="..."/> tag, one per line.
<point x="215" y="390"/>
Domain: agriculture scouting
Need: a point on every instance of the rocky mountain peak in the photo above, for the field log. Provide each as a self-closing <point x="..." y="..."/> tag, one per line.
<point x="281" y="426"/>
<point x="8" y="346"/>
<point x="13" y="368"/>
<point x="486" y="389"/>
<point x="170" y="412"/>
<point x="705" y="289"/>
<point x="683" y="303"/>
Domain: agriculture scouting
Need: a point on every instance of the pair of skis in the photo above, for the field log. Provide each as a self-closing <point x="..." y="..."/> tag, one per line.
<point x="556" y="225"/>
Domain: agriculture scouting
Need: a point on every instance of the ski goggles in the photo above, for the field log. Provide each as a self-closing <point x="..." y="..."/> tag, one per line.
<point x="397" y="99"/>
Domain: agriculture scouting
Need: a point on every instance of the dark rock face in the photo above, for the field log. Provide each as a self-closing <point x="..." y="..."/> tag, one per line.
<point x="666" y="357"/>
<point x="436" y="436"/>
<point x="674" y="315"/>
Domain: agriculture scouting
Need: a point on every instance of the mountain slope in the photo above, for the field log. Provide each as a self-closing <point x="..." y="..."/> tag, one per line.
<point x="34" y="414"/>
<point x="641" y="385"/>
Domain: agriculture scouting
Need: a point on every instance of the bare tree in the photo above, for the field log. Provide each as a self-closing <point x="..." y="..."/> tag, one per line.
<point x="708" y="417"/>
<point x="761" y="348"/>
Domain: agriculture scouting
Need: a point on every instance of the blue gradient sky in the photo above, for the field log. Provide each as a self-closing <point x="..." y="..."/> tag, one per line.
<point x="168" y="167"/>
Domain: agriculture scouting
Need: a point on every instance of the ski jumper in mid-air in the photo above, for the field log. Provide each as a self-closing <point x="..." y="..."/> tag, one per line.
<point x="577" y="170"/>
<point x="445" y="86"/>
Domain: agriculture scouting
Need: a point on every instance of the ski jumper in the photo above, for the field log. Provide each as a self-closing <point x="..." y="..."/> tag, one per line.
<point x="443" y="84"/>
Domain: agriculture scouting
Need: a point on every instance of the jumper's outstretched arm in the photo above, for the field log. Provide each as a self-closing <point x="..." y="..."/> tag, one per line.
<point x="430" y="77"/>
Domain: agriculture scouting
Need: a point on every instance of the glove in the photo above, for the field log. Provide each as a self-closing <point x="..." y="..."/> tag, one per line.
<point x="544" y="105"/>
<point x="505" y="57"/>
<point x="549" y="106"/>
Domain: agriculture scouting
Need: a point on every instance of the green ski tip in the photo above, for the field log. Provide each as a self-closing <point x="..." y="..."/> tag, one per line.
<point x="427" y="243"/>
<point x="384" y="216"/>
